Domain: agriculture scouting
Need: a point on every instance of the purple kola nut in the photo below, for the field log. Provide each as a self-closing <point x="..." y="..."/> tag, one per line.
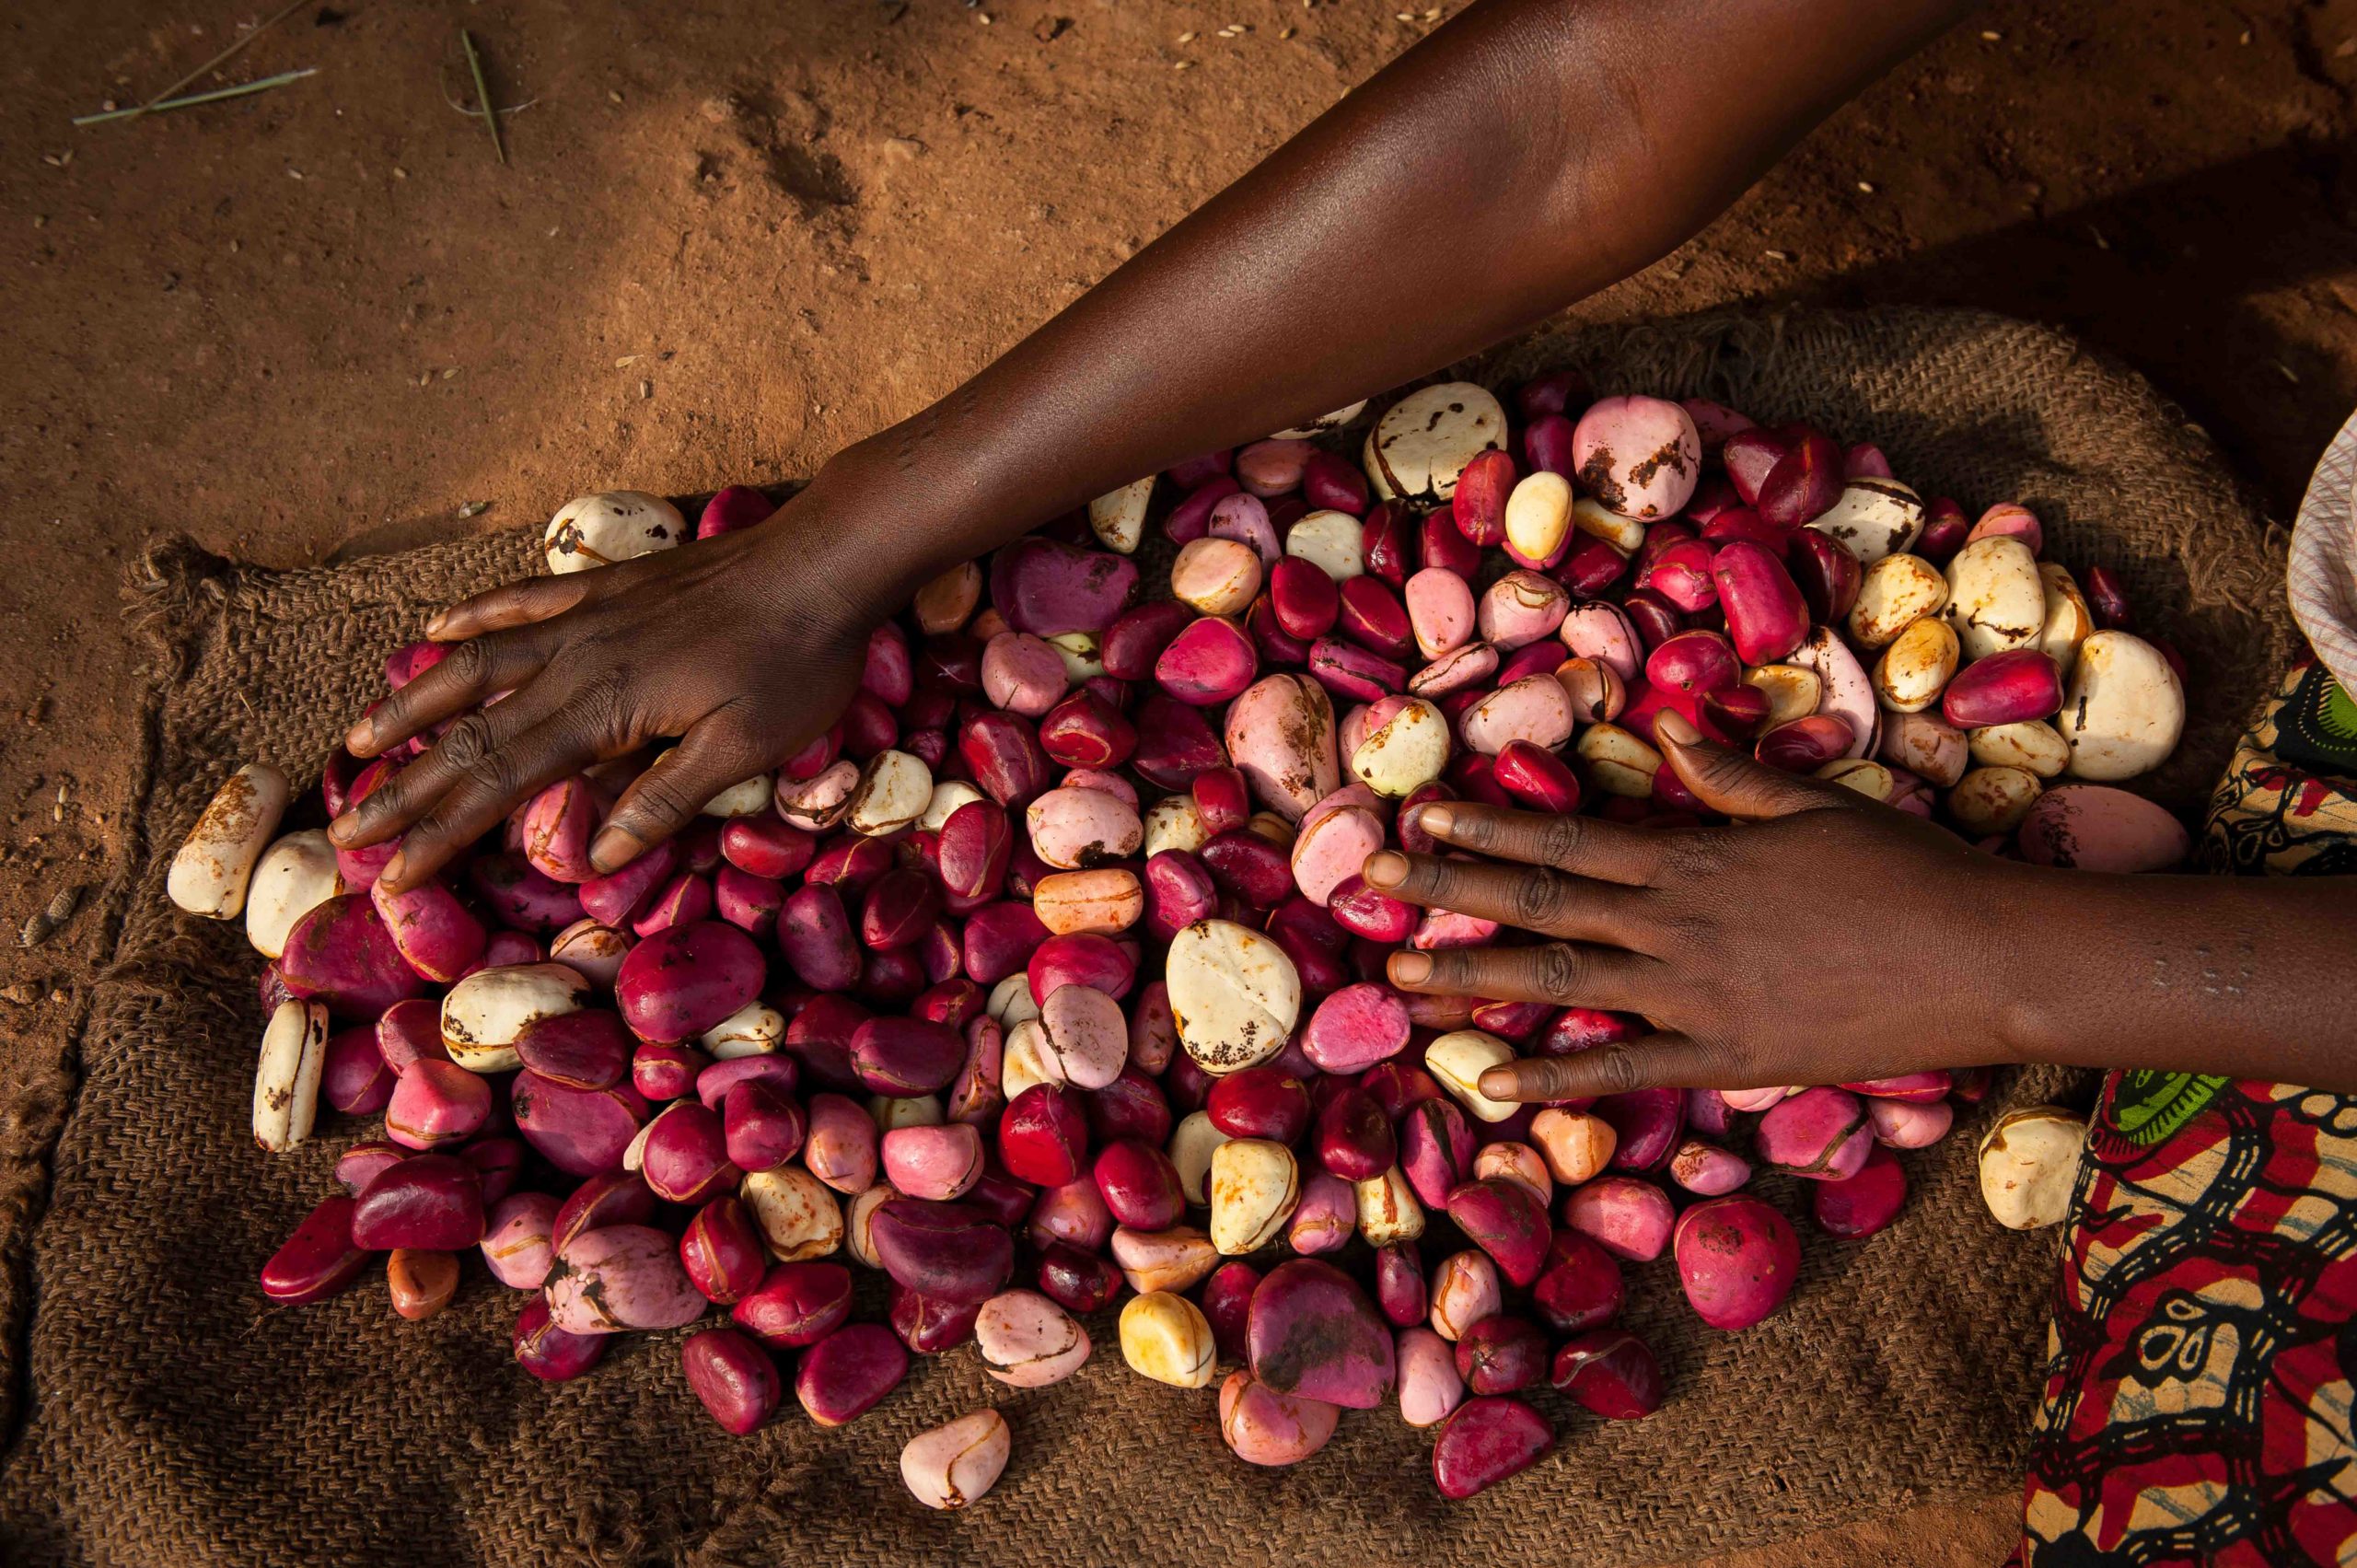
<point x="1435" y="1149"/>
<point x="749" y="903"/>
<point x="438" y="936"/>
<point x="1359" y="1025"/>
<point x="1646" y="1123"/>
<point x="1681" y="574"/>
<point x="665" y="1071"/>
<point x="939" y="1163"/>
<point x="773" y="1069"/>
<point x="1486" y="1441"/>
<point x="318" y="1260"/>
<point x="735" y="508"/>
<point x="729" y="1371"/>
<point x="1207" y="664"/>
<point x="1227" y="1307"/>
<point x="1581" y="1288"/>
<point x="1000" y="939"/>
<point x="556" y="827"/>
<point x="1002" y="1198"/>
<point x="1750" y="456"/>
<point x="1085" y="731"/>
<point x="1178" y="892"/>
<point x="797" y="1303"/>
<point x="1805" y="483"/>
<point x="1133" y="643"/>
<point x="497" y="1162"/>
<point x="589" y="1048"/>
<point x="1656" y="618"/>
<point x="1312" y="1332"/>
<point x="763" y="1126"/>
<point x="1611" y="1373"/>
<point x="358" y="1165"/>
<point x="1280" y="737"/>
<point x="1479" y="503"/>
<point x="721" y="1251"/>
<point x="436" y="1104"/>
<point x="1386" y="543"/>
<point x="430" y="1201"/>
<point x="1707" y="1170"/>
<point x="845" y="1375"/>
<point x="1047" y="588"/>
<point x="905" y="1057"/>
<point x="1355" y="1138"/>
<point x="1043" y="1137"/>
<point x="1860" y="1205"/>
<point x="976" y="1095"/>
<point x="410" y="660"/>
<point x="1074" y="1214"/>
<point x="1139" y="1185"/>
<point x="1535" y="709"/>
<point x="1003" y="756"/>
<point x="678" y="983"/>
<point x="1504" y="1220"/>
<point x="2010" y="687"/>
<point x="1519" y="609"/>
<point x="614" y="1197"/>
<point x="1536" y="658"/>
<point x="1737" y="1259"/>
<point x="354" y="1079"/>
<point x="1131" y="1106"/>
<point x="685" y="898"/>
<point x="685" y="1159"/>
<point x="1303" y="597"/>
<point x="1325" y="1217"/>
<point x="1826" y="572"/>
<point x="1821" y="1134"/>
<point x="759" y="846"/>
<point x="841" y="1146"/>
<point x="1640" y="456"/>
<point x="1329" y="483"/>
<point x="1767" y="616"/>
<point x="1248" y="868"/>
<point x="1077" y="1281"/>
<point x="1175" y="743"/>
<point x="1863" y="459"/>
<point x="618" y="898"/>
<point x="342" y="954"/>
<point x="517" y="1244"/>
<point x="949" y="1251"/>
<point x="1353" y="673"/>
<point x="1806" y="744"/>
<point x="1627" y="1217"/>
<point x="1500" y="1354"/>
<point x="1235" y="519"/>
<point x="1399" y="1284"/>
<point x="549" y="1352"/>
<point x="581" y="1131"/>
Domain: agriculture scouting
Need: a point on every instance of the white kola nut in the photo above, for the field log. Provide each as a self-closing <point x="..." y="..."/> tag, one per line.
<point x="1256" y="1186"/>
<point x="952" y="1464"/>
<point x="2032" y="745"/>
<point x="1459" y="1059"/>
<point x="484" y="1013"/>
<point x="1409" y="750"/>
<point x="755" y="1030"/>
<point x="1593" y="518"/>
<point x="1118" y="516"/>
<point x="286" y="1075"/>
<point x="891" y="1112"/>
<point x="1792" y="692"/>
<point x="1994" y="800"/>
<point x="1424" y="441"/>
<point x="210" y="874"/>
<point x="1895" y="592"/>
<point x="1194" y="1143"/>
<point x="1024" y="1059"/>
<point x="1234" y="995"/>
<point x="294" y="875"/>
<point x="611" y="526"/>
<point x="1996" y="599"/>
<point x="2069" y="621"/>
<point x="1615" y="761"/>
<point x="859" y="1214"/>
<point x="749" y="798"/>
<point x="795" y="1212"/>
<point x="2123" y="709"/>
<point x="890" y="795"/>
<point x="1172" y="822"/>
<point x="948" y="795"/>
<point x="1539" y="514"/>
<point x="1387" y="1209"/>
<point x="1329" y="541"/>
<point x="2030" y="1165"/>
<point x="1010" y="1001"/>
<point x="1874" y="517"/>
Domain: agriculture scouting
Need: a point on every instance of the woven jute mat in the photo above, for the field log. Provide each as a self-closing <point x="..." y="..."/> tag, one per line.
<point x="169" y="1416"/>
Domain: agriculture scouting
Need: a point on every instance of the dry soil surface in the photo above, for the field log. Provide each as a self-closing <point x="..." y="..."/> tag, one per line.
<point x="731" y="236"/>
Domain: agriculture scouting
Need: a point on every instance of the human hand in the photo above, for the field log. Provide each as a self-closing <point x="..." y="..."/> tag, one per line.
<point x="1824" y="938"/>
<point x="745" y="646"/>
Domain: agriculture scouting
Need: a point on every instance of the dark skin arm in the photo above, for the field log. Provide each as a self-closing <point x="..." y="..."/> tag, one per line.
<point x="1827" y="938"/>
<point x="1528" y="153"/>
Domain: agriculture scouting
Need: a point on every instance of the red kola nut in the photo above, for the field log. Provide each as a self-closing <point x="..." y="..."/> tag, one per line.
<point x="1139" y="1185"/>
<point x="1043" y="1137"/>
<point x="685" y="1159"/>
<point x="614" y="1197"/>
<point x="1681" y="574"/>
<point x="1003" y="756"/>
<point x="1210" y="662"/>
<point x="683" y="901"/>
<point x="411" y="1031"/>
<point x="1223" y="800"/>
<point x="1862" y="1204"/>
<point x="1081" y="958"/>
<point x="320" y="1260"/>
<point x="1479" y="505"/>
<point x="1131" y="1106"/>
<point x="1826" y="572"/>
<point x="437" y="1103"/>
<point x="1645" y="1124"/>
<point x="905" y="1057"/>
<point x="1739" y="711"/>
<point x="1227" y="1305"/>
<point x="2107" y="598"/>
<point x="1132" y="643"/>
<point x="1085" y="731"/>
<point x="1548" y="441"/>
<point x="795" y="1303"/>
<point x="845" y="1375"/>
<point x="1611" y="1373"/>
<point x="1737" y="1259"/>
<point x="1001" y="1198"/>
<point x="2009" y="687"/>
<point x="1582" y="1287"/>
<point x="1538" y="779"/>
<point x="355" y="1079"/>
<point x="1302" y="598"/>
<point x="722" y="1252"/>
<point x="665" y="1071"/>
<point x="949" y="1251"/>
<point x="1362" y="911"/>
<point x="1435" y="1149"/>
<point x="1656" y="618"/>
<point x="360" y="1163"/>
<point x="929" y="1327"/>
<point x="1249" y="866"/>
<point x="1371" y="616"/>
<point x="1805" y="483"/>
<point x="1503" y="1219"/>
<point x="1077" y="1281"/>
<point x="1821" y="1134"/>
<point x="1399" y="1284"/>
<point x="1260" y="1102"/>
<point x="1385" y="542"/>
<point x="1486" y="1441"/>
<point x="1945" y="528"/>
<point x="1500" y="1354"/>
<point x="549" y="1352"/>
<point x="734" y="1377"/>
<point x="999" y="940"/>
<point x="430" y="1201"/>
<point x="1178" y="892"/>
<point x="1693" y="663"/>
<point x="1355" y="1138"/>
<point x="1766" y="614"/>
<point x="1806" y="744"/>
<point x="850" y="864"/>
<point x="899" y="909"/>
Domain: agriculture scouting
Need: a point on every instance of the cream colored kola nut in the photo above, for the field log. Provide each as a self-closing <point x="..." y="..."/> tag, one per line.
<point x="2123" y="709"/>
<point x="1172" y="822"/>
<point x="1994" y="800"/>
<point x="286" y="1077"/>
<point x="1874" y="517"/>
<point x="859" y="1216"/>
<point x="1010" y="1001"/>
<point x="1166" y="1337"/>
<point x="755" y="1030"/>
<point x="1424" y="441"/>
<point x="1791" y="693"/>
<point x="1995" y="598"/>
<point x="749" y="798"/>
<point x="1615" y="761"/>
<point x="1080" y="651"/>
<point x="1387" y="1209"/>
<point x="1193" y="1142"/>
<point x="1459" y="1059"/>
<point x="953" y="1465"/>
<point x="593" y="951"/>
<point x="2069" y="621"/>
<point x="795" y="1212"/>
<point x="1320" y="425"/>
<point x="635" y="1152"/>
<point x="891" y="1112"/>
<point x="294" y="875"/>
<point x="1256" y="1186"/>
<point x="1234" y="995"/>
<point x="1863" y="774"/>
<point x="484" y="1013"/>
<point x="1408" y="751"/>
<point x="1538" y="515"/>
<point x="1915" y="669"/>
<point x="612" y="525"/>
<point x="1592" y="518"/>
<point x="2030" y="1165"/>
<point x="1329" y="541"/>
<point x="890" y="795"/>
<point x="948" y="795"/>
<point x="2032" y="745"/>
<point x="1118" y="516"/>
<point x="1215" y="577"/>
<point x="1895" y="592"/>
<point x="1025" y="1060"/>
<point x="210" y="874"/>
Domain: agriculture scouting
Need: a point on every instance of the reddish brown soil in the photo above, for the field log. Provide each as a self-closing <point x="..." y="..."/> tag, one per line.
<point x="733" y="235"/>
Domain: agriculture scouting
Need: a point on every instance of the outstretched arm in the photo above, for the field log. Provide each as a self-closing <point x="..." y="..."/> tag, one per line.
<point x="1528" y="153"/>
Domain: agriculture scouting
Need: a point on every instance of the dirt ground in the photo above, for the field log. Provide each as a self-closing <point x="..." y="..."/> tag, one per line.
<point x="732" y="235"/>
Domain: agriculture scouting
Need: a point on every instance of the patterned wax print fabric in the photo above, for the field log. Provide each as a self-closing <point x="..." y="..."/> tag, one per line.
<point x="2198" y="1368"/>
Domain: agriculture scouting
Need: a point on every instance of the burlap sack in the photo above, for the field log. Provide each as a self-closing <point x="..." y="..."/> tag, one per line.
<point x="173" y="1418"/>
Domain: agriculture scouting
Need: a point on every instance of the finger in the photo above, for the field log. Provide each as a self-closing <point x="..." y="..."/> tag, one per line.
<point x="1737" y="785"/>
<point x="1586" y="846"/>
<point x="1561" y="975"/>
<point x="1534" y="898"/>
<point x="675" y="787"/>
<point x="410" y="793"/>
<point x="470" y="672"/>
<point x="1652" y="1061"/>
<point x="511" y="604"/>
<point x="487" y="789"/>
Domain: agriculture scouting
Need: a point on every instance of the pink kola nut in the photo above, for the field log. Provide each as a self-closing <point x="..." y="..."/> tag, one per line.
<point x="1312" y="1332"/>
<point x="586" y="1050"/>
<point x="938" y="1162"/>
<point x="1737" y="1259"/>
<point x="435" y="1103"/>
<point x="1627" y="1217"/>
<point x="355" y="1078"/>
<point x="681" y="982"/>
<point x="1640" y="456"/>
<point x="1821" y="1134"/>
<point x="1355" y="1028"/>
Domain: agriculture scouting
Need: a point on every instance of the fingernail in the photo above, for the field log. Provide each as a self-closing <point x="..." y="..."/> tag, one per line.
<point x="394" y="870"/>
<point x="1411" y="969"/>
<point x="1436" y="820"/>
<point x="613" y="849"/>
<point x="343" y="828"/>
<point x="1672" y="725"/>
<point x="434" y="627"/>
<point x="1384" y="869"/>
<point x="1500" y="1083"/>
<point x="360" y="737"/>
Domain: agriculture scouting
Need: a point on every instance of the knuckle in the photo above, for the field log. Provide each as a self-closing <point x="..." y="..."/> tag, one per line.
<point x="1539" y="899"/>
<point x="467" y="742"/>
<point x="1560" y="971"/>
<point x="1559" y="840"/>
<point x="1614" y="1069"/>
<point x="469" y="663"/>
